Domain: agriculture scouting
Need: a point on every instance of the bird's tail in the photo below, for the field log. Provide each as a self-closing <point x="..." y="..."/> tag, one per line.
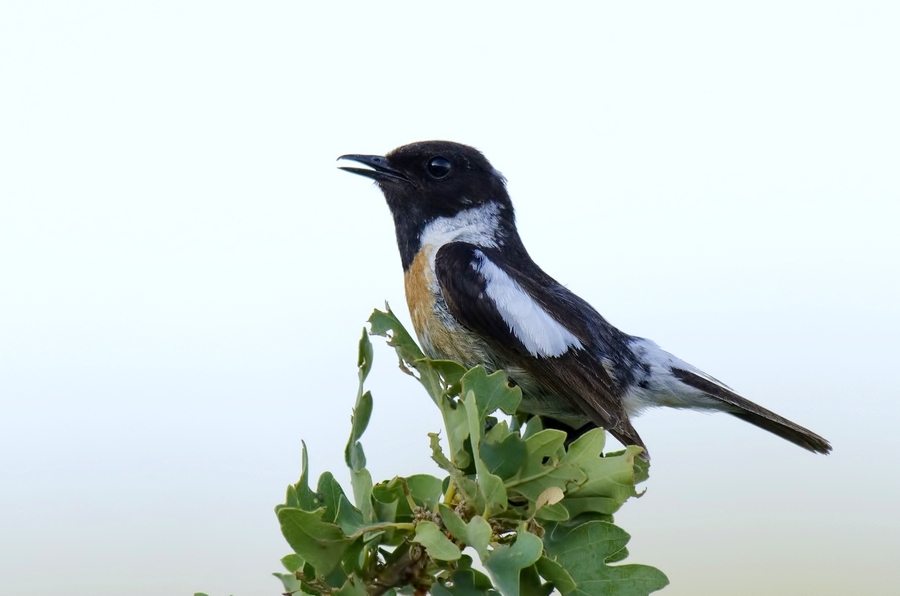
<point x="754" y="414"/>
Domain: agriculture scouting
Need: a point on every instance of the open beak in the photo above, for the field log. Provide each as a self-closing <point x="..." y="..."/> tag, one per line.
<point x="380" y="170"/>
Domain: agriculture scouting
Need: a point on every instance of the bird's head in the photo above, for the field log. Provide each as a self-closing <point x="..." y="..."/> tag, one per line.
<point x="433" y="178"/>
<point x="434" y="181"/>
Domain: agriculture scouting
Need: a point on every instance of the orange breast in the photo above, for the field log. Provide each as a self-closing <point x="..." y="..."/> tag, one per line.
<point x="440" y="335"/>
<point x="420" y="299"/>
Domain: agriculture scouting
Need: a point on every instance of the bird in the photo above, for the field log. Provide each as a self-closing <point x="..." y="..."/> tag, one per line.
<point x="475" y="296"/>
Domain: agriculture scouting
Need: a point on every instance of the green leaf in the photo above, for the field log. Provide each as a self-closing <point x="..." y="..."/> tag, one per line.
<point x="556" y="512"/>
<point x="292" y="562"/>
<point x="328" y="495"/>
<point x="476" y="533"/>
<point x="362" y="411"/>
<point x="457" y="424"/>
<point x="437" y="376"/>
<point x="355" y="457"/>
<point x="502" y="451"/>
<point x="533" y="426"/>
<point x="338" y="508"/>
<point x="436" y="544"/>
<point x="361" y="482"/>
<point x="337" y="577"/>
<point x="411" y="357"/>
<point x="609" y="480"/>
<point x="388" y="325"/>
<point x="465" y="582"/>
<point x="353" y="453"/>
<point x="290" y="499"/>
<point x="641" y="468"/>
<point x="299" y="495"/>
<point x="319" y="543"/>
<point x="451" y="373"/>
<point x="366" y="354"/>
<point x="584" y="550"/>
<point x="556" y="574"/>
<point x="305" y="495"/>
<point x="349" y="518"/>
<point x="466" y="486"/>
<point x="425" y="490"/>
<point x="352" y="587"/>
<point x="490" y="485"/>
<point x="530" y="583"/>
<point x="591" y="482"/>
<point x="543" y="466"/>
<point x="288" y="580"/>
<point x="493" y="392"/>
<point x="431" y="377"/>
<point x="504" y="563"/>
<point x="392" y="506"/>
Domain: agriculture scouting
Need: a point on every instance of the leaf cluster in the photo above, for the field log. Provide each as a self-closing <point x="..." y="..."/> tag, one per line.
<point x="536" y="511"/>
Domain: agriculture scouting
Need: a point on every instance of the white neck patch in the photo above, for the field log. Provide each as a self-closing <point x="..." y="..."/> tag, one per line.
<point x="475" y="226"/>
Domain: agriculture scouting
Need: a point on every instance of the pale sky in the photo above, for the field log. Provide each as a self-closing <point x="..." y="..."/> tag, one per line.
<point x="184" y="273"/>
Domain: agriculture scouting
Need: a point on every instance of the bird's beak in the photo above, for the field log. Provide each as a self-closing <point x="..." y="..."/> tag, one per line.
<point x="380" y="170"/>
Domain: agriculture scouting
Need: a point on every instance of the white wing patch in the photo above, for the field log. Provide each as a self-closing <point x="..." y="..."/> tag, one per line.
<point x="536" y="329"/>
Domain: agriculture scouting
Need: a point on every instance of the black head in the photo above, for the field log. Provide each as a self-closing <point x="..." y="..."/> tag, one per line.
<point x="437" y="178"/>
<point x="432" y="179"/>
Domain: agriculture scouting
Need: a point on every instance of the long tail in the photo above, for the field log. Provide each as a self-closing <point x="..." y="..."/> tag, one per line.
<point x="754" y="414"/>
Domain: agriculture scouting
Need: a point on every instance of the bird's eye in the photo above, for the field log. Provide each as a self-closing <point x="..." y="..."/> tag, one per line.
<point x="438" y="167"/>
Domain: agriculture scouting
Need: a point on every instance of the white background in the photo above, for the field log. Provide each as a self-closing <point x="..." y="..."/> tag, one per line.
<point x="184" y="273"/>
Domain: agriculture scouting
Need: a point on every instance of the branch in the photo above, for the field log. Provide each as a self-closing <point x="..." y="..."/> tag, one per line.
<point x="401" y="572"/>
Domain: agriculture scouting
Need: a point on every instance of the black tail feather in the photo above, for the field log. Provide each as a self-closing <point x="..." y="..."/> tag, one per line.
<point x="755" y="414"/>
<point x="792" y="432"/>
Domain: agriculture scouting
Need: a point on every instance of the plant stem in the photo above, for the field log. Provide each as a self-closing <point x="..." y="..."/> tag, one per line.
<point x="451" y="492"/>
<point x="401" y="572"/>
<point x="403" y="526"/>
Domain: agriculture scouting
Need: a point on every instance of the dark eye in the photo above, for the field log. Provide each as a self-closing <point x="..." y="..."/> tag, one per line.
<point x="438" y="167"/>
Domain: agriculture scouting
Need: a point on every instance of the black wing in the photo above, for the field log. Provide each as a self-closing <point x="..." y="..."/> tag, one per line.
<point x="530" y="319"/>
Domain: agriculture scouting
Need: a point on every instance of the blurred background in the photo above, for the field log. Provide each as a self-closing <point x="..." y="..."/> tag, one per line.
<point x="184" y="273"/>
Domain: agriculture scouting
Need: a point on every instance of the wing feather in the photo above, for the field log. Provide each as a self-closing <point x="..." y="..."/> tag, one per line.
<point x="536" y="323"/>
